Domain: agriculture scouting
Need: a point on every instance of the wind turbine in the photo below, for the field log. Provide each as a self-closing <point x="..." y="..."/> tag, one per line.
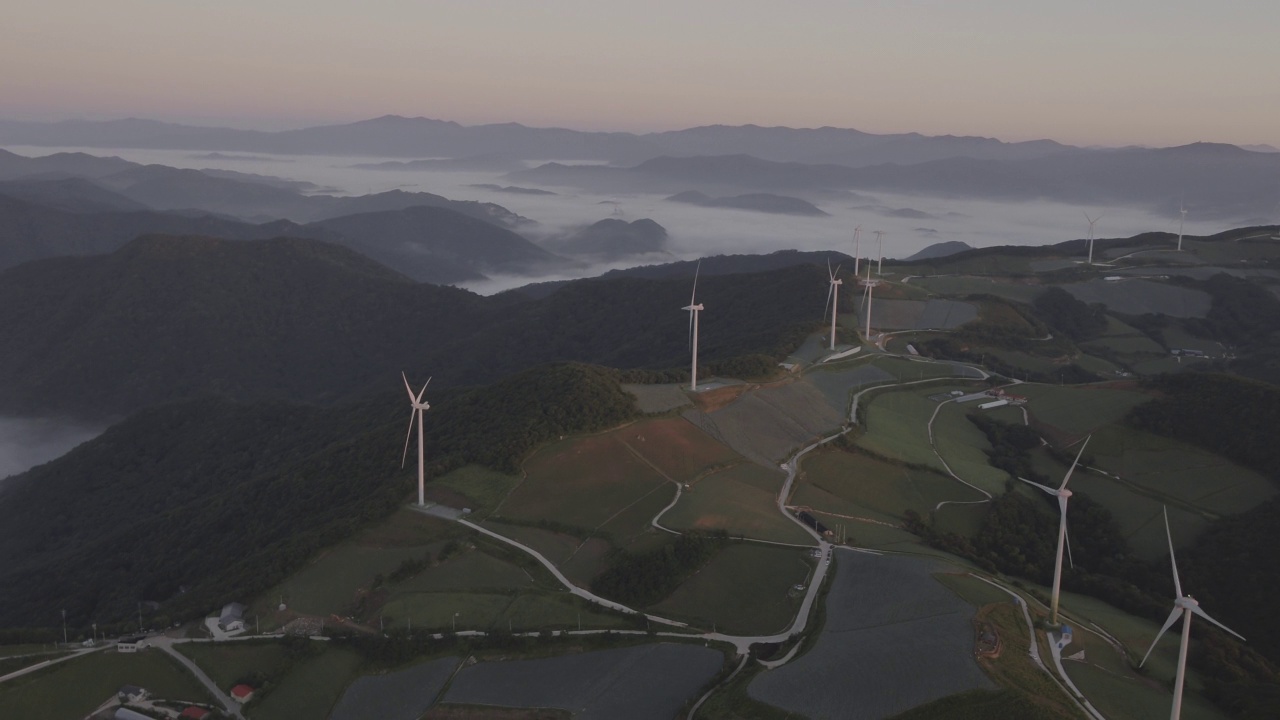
<point x="857" y="250"/>
<point x="880" y="252"/>
<point x="868" y="284"/>
<point x="694" y="308"/>
<point x="418" y="405"/>
<point x="1182" y="209"/>
<point x="1184" y="606"/>
<point x="1063" y="494"/>
<point x="833" y="298"/>
<point x="1092" y="222"/>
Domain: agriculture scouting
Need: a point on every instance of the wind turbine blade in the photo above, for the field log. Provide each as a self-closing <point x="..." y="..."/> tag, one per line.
<point x="1177" y="586"/>
<point x="1173" y="618"/>
<point x="830" y="275"/>
<point x="1197" y="610"/>
<point x="424" y="390"/>
<point x="1066" y="536"/>
<point x="1074" y="463"/>
<point x="407" y="388"/>
<point x="693" y="296"/>
<point x="831" y="291"/>
<point x="407" y="435"/>
<point x="1037" y="485"/>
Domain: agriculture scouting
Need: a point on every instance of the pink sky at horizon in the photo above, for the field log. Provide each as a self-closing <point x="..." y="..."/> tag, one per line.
<point x="1088" y="73"/>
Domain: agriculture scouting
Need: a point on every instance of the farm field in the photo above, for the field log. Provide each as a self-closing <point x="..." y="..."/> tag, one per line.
<point x="1078" y="410"/>
<point x="1139" y="297"/>
<point x="740" y="500"/>
<point x="483" y="488"/>
<point x="879" y="489"/>
<point x="894" y="638"/>
<point x="897" y="426"/>
<point x="72" y="689"/>
<point x="766" y="426"/>
<point x="890" y="314"/>
<point x="967" y="285"/>
<point x="676" y="448"/>
<point x="311" y="688"/>
<point x="401" y="695"/>
<point x="744" y="589"/>
<point x="908" y="370"/>
<point x="658" y="398"/>
<point x="1178" y="470"/>
<point x="225" y="663"/>
<point x="962" y="445"/>
<point x="838" y="382"/>
<point x="468" y="570"/>
<point x="632" y="683"/>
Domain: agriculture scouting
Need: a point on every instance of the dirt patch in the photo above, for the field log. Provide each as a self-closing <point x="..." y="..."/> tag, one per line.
<point x="712" y="400"/>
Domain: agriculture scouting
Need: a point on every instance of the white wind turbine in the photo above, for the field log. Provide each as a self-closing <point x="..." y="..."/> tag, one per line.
<point x="857" y="250"/>
<point x="418" y="405"/>
<point x="1063" y="494"/>
<point x="1183" y="606"/>
<point x="1182" y="209"/>
<point x="833" y="298"/>
<point x="868" y="284"/>
<point x="1092" y="221"/>
<point x="694" y="308"/>
<point x="880" y="252"/>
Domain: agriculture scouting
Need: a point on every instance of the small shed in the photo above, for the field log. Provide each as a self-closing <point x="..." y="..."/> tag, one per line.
<point x="131" y="644"/>
<point x="131" y="693"/>
<point x="242" y="693"/>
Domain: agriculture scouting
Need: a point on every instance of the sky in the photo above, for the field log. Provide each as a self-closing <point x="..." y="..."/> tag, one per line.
<point x="1083" y="72"/>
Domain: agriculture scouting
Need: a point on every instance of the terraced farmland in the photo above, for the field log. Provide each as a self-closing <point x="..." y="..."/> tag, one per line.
<point x="635" y="683"/>
<point x="402" y="695"/>
<point x="894" y="638"/>
<point x="741" y="500"/>
<point x="1139" y="297"/>
<point x="874" y="488"/>
<point x="745" y="589"/>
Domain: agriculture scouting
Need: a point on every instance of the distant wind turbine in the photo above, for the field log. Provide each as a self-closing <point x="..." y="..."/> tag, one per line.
<point x="880" y="252"/>
<point x="1092" y="222"/>
<point x="694" y="308"/>
<point x="857" y="250"/>
<point x="868" y="284"/>
<point x="833" y="298"/>
<point x="1184" y="606"/>
<point x="1063" y="494"/>
<point x="418" y="405"/>
<point x="1182" y="209"/>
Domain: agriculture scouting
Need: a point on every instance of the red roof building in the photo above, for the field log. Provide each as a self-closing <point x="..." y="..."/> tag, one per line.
<point x="196" y="713"/>
<point x="242" y="693"/>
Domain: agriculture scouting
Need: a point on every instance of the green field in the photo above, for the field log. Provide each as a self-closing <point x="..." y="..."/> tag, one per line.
<point x="960" y="285"/>
<point x="741" y="500"/>
<point x="72" y="689"/>
<point x="963" y="446"/>
<point x="874" y="488"/>
<point x="744" y="589"/>
<point x="974" y="591"/>
<point x="226" y="663"/>
<point x="312" y="688"/>
<point x="1078" y="409"/>
<point x="484" y="489"/>
<point x="468" y="570"/>
<point x="897" y="426"/>
<point x="582" y="482"/>
<point x="531" y="610"/>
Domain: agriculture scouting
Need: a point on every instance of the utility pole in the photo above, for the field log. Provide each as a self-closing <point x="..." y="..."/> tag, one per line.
<point x="64" y="627"/>
<point x="139" y="617"/>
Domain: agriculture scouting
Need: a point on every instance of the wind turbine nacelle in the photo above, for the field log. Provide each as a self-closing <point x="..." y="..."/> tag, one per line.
<point x="692" y="308"/>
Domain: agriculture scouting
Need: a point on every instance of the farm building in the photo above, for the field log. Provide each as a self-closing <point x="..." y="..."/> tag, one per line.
<point x="232" y="617"/>
<point x="812" y="522"/>
<point x="993" y="404"/>
<point x="194" y="712"/>
<point x="131" y="693"/>
<point x="131" y="644"/>
<point x="242" y="693"/>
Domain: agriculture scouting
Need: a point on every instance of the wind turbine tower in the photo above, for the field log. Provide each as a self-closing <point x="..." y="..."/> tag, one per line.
<point x="1182" y="209"/>
<point x="694" y="308"/>
<point x="1063" y="494"/>
<point x="833" y="298"/>
<point x="880" y="252"/>
<point x="868" y="284"/>
<point x="418" y="406"/>
<point x="1092" y="222"/>
<point x="1184" y="606"/>
<point x="857" y="250"/>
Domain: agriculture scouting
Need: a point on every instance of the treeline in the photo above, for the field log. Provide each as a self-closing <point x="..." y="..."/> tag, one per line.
<point x="1010" y="444"/>
<point x="1074" y="318"/>
<point x="643" y="579"/>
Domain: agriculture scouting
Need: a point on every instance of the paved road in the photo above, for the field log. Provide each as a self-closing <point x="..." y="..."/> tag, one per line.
<point x="165" y="644"/>
<point x="46" y="663"/>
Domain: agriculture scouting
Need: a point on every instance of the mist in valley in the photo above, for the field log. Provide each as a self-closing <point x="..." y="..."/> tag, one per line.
<point x="28" y="442"/>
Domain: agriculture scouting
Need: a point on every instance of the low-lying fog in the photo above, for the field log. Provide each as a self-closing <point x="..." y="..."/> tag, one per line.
<point x="27" y="442"/>
<point x="694" y="230"/>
